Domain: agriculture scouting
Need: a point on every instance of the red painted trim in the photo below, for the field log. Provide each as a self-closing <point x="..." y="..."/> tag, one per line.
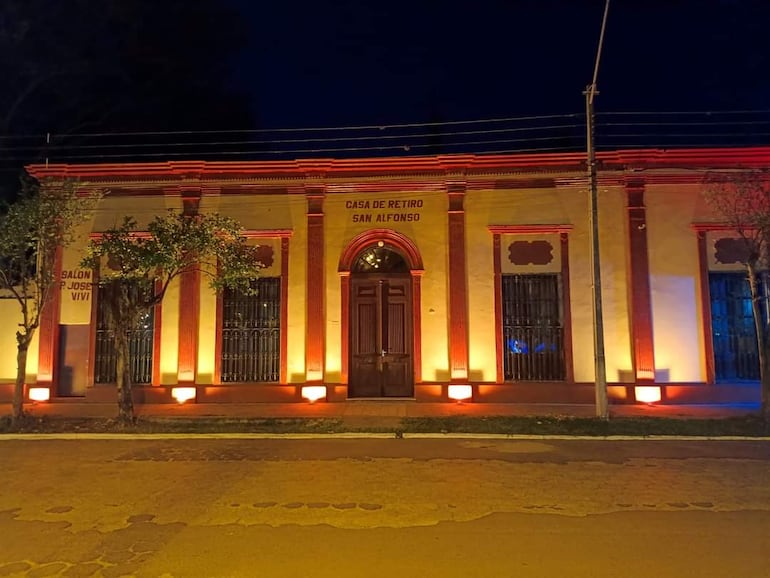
<point x="284" y="377"/>
<point x="92" y="337"/>
<point x="569" y="360"/>
<point x="156" y="333"/>
<point x="284" y="235"/>
<point x="156" y="338"/>
<point x="217" y="377"/>
<point x="705" y="301"/>
<point x="466" y="163"/>
<point x="458" y="287"/>
<point x="409" y="251"/>
<point x="189" y="313"/>
<point x="705" y="294"/>
<point x="344" y="326"/>
<point x="48" y="330"/>
<point x="707" y="227"/>
<point x="528" y="229"/>
<point x="267" y="233"/>
<point x="641" y="303"/>
<point x="417" y="324"/>
<point x="563" y="230"/>
<point x="370" y="237"/>
<point x="314" y="347"/>
<point x="93" y="236"/>
<point x="498" y="272"/>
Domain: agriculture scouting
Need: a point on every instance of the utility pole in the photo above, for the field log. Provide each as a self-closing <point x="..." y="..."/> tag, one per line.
<point x="602" y="410"/>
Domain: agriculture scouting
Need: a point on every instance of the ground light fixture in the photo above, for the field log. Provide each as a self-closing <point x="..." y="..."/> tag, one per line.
<point x="313" y="393"/>
<point x="183" y="394"/>
<point x="39" y="394"/>
<point x="647" y="393"/>
<point x="459" y="392"/>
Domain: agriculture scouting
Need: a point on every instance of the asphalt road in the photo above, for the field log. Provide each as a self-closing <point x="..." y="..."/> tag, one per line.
<point x="384" y="507"/>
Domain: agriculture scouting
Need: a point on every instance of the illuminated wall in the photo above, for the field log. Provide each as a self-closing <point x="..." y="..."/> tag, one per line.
<point x="410" y="196"/>
<point x="169" y="335"/>
<point x="556" y="206"/>
<point x="10" y="313"/>
<point x="674" y="278"/>
<point x="264" y="213"/>
<point x="76" y="283"/>
<point x="480" y="212"/>
<point x="614" y="251"/>
<point x="422" y="217"/>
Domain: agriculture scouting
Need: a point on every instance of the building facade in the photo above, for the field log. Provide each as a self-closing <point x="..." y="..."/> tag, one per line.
<point x="400" y="277"/>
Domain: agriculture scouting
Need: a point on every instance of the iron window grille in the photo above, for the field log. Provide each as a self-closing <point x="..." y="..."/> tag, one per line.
<point x="736" y="355"/>
<point x="533" y="328"/>
<point x="141" y="343"/>
<point x="251" y="333"/>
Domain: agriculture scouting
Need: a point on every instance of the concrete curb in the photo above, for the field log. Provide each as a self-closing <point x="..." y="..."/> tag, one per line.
<point x="357" y="435"/>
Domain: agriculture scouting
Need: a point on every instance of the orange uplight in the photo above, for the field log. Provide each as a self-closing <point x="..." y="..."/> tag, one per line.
<point x="39" y="394"/>
<point x="647" y="394"/>
<point x="183" y="394"/>
<point x="460" y="392"/>
<point x="313" y="393"/>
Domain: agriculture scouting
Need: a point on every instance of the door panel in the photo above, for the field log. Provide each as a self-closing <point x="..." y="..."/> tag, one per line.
<point x="734" y="336"/>
<point x="380" y="337"/>
<point x="74" y="344"/>
<point x="365" y="351"/>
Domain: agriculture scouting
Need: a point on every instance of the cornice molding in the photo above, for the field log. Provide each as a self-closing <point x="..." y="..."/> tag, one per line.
<point x="417" y="173"/>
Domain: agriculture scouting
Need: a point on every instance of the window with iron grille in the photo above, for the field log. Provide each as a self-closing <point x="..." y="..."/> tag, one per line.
<point x="251" y="333"/>
<point x="533" y="330"/>
<point x="141" y="340"/>
<point x="736" y="356"/>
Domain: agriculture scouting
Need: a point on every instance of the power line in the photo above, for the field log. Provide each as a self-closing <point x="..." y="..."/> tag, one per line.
<point x="312" y="129"/>
<point x="641" y="129"/>
<point x="296" y="141"/>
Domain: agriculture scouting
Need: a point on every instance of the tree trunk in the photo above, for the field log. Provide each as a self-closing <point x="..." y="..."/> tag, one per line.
<point x="123" y="378"/>
<point x="762" y="345"/>
<point x="121" y="308"/>
<point x="765" y="383"/>
<point x="21" y="376"/>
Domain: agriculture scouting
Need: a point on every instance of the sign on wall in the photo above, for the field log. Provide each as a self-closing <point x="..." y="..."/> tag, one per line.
<point x="385" y="211"/>
<point x="76" y="286"/>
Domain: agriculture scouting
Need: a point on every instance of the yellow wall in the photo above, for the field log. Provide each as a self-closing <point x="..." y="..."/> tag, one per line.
<point x="10" y="313"/>
<point x="428" y="231"/>
<point x="76" y="282"/>
<point x="614" y="251"/>
<point x="558" y="206"/>
<point x="674" y="281"/>
<point x="672" y="246"/>
<point x="169" y="335"/>
<point x="112" y="209"/>
<point x="260" y="213"/>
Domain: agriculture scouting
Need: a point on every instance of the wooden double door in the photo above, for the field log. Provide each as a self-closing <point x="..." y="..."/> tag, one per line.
<point x="381" y="321"/>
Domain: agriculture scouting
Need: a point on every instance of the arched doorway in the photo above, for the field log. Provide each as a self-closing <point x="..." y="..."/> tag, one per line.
<point x="380" y="325"/>
<point x="381" y="273"/>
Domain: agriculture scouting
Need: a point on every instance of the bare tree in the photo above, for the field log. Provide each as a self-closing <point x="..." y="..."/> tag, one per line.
<point x="742" y="200"/>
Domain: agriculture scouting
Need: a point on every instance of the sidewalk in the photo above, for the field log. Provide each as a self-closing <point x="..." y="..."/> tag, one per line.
<point x="375" y="413"/>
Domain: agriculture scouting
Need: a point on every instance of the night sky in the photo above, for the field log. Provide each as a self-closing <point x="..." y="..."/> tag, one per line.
<point x="86" y="72"/>
<point x="359" y="62"/>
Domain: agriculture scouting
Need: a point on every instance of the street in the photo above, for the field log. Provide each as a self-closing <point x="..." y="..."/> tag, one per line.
<point x="341" y="507"/>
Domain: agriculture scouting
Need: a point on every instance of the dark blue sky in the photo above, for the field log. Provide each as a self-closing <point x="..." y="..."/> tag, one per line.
<point x="167" y="71"/>
<point x="360" y="62"/>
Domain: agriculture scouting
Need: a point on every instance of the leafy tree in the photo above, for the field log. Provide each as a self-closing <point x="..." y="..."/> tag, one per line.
<point x="743" y="201"/>
<point x="32" y="230"/>
<point x="136" y="268"/>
